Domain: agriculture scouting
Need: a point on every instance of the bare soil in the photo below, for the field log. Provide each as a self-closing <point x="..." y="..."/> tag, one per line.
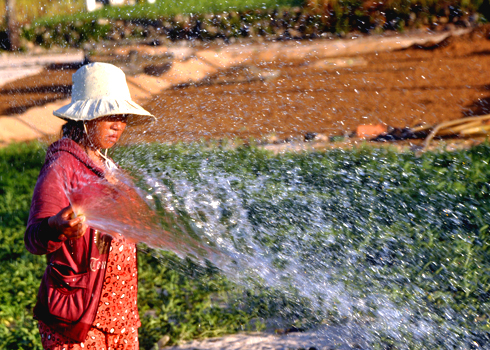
<point x="19" y="95"/>
<point x="405" y="88"/>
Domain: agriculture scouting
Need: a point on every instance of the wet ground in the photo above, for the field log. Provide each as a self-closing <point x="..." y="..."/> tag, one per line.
<point x="290" y="98"/>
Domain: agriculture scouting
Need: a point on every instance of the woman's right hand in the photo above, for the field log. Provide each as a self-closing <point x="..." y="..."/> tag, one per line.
<point x="67" y="227"/>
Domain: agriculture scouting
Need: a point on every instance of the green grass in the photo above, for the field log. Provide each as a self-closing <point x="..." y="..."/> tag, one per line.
<point x="171" y="8"/>
<point x="67" y="25"/>
<point x="51" y="11"/>
<point x="20" y="270"/>
<point x="390" y="228"/>
<point x="386" y="227"/>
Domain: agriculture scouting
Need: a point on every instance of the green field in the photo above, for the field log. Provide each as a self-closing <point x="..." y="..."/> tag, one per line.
<point x="29" y="10"/>
<point x="67" y="24"/>
<point x="386" y="226"/>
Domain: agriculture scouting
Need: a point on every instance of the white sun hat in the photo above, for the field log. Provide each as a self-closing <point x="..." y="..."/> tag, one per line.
<point x="99" y="90"/>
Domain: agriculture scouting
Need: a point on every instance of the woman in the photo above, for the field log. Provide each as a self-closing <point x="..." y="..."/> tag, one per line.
<point x="87" y="297"/>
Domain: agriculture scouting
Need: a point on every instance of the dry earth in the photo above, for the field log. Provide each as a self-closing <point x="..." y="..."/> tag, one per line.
<point x="287" y="98"/>
<point x="402" y="88"/>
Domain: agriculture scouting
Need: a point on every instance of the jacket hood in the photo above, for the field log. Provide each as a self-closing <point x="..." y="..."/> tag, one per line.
<point x="73" y="148"/>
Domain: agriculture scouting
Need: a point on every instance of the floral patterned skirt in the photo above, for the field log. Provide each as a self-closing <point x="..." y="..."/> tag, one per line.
<point x="96" y="339"/>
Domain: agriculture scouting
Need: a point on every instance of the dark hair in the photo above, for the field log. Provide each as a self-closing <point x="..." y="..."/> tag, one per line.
<point x="74" y="130"/>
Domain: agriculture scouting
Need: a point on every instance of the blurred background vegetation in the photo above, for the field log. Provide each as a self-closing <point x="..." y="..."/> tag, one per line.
<point x="68" y="24"/>
<point x="32" y="10"/>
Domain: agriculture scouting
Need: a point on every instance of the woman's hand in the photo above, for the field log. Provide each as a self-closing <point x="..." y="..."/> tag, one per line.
<point x="67" y="227"/>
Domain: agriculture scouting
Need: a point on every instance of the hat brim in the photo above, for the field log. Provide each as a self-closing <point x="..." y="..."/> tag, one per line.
<point x="85" y="110"/>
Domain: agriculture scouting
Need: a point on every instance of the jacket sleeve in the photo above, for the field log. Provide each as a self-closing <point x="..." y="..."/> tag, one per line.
<point x="48" y="199"/>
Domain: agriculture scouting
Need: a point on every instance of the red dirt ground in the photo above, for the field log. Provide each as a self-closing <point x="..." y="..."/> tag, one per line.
<point x="19" y="95"/>
<point x="401" y="89"/>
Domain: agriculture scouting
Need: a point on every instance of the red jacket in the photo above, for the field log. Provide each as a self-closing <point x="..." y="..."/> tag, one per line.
<point x="71" y="286"/>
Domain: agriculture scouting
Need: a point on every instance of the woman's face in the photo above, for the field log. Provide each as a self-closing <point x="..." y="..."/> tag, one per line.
<point x="104" y="132"/>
